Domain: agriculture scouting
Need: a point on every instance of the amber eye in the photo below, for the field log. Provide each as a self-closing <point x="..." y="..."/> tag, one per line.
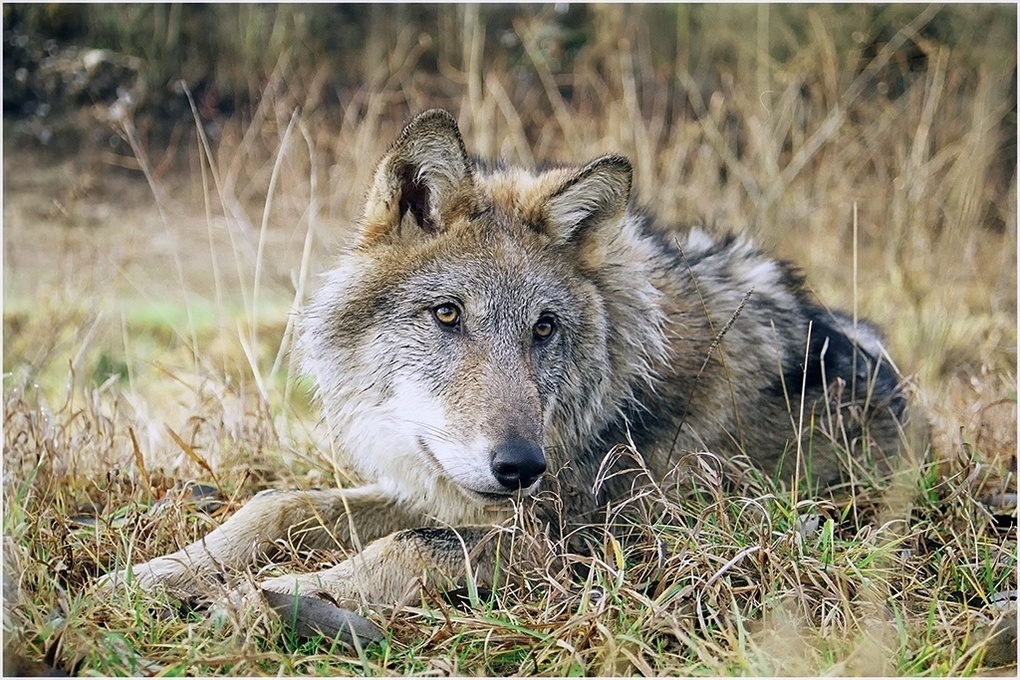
<point x="544" y="327"/>
<point x="447" y="314"/>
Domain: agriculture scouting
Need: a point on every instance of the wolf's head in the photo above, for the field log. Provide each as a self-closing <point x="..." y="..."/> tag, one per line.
<point x="484" y="324"/>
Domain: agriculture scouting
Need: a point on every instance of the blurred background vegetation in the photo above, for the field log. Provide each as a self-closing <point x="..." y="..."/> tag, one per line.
<point x="229" y="55"/>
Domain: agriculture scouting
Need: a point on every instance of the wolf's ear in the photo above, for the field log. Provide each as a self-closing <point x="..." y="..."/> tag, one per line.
<point x="595" y="197"/>
<point x="426" y="174"/>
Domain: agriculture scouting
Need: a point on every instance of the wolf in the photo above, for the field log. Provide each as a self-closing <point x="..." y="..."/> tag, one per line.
<point x="493" y="334"/>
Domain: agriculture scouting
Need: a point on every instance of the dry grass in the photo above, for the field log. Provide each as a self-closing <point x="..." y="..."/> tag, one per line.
<point x="136" y="305"/>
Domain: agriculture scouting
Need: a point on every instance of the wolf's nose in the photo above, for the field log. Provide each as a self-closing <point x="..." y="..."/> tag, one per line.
<point x="517" y="463"/>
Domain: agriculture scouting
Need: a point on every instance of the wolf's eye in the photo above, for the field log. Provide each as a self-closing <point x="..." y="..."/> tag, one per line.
<point x="447" y="314"/>
<point x="544" y="327"/>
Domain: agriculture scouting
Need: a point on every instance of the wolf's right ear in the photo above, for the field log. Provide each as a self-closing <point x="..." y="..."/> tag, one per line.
<point x="426" y="174"/>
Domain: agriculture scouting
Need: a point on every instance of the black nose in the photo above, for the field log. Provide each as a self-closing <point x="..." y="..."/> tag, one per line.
<point x="517" y="463"/>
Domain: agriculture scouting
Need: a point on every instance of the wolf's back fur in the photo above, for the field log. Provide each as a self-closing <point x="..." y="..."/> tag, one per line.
<point x="496" y="332"/>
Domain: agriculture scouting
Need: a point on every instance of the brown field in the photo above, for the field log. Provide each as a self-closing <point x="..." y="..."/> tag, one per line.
<point x="149" y="287"/>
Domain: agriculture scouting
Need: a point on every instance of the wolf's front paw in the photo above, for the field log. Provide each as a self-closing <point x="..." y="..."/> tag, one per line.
<point x="167" y="573"/>
<point x="337" y="585"/>
<point x="322" y="603"/>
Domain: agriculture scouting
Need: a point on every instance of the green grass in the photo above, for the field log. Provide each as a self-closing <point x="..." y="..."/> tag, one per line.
<point x="114" y="332"/>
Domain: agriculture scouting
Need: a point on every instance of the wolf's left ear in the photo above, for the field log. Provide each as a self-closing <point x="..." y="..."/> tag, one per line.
<point x="593" y="198"/>
<point x="426" y="174"/>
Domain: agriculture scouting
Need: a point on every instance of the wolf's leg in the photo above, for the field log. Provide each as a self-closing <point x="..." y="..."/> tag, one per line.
<point x="315" y="518"/>
<point x="395" y="567"/>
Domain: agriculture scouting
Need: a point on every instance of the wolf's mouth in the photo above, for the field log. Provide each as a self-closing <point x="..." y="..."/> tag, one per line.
<point x="492" y="497"/>
<point x="488" y="496"/>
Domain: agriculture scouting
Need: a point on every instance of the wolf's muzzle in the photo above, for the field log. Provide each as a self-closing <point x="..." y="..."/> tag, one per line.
<point x="517" y="463"/>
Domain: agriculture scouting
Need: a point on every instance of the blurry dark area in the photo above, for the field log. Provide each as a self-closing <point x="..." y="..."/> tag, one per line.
<point x="60" y="57"/>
